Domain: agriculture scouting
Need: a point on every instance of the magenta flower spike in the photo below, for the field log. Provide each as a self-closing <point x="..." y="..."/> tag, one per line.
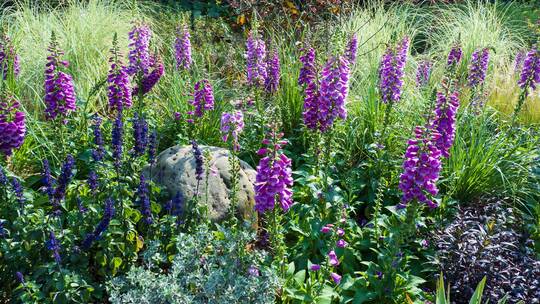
<point x="530" y="72"/>
<point x="59" y="90"/>
<point x="12" y="125"/>
<point x="182" y="48"/>
<point x="256" y="63"/>
<point x="232" y="124"/>
<point x="203" y="100"/>
<point x="445" y="121"/>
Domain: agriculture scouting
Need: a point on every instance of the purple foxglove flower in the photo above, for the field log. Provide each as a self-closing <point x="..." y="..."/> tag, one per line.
<point x="421" y="168"/>
<point x="17" y="190"/>
<point x="315" y="267"/>
<point x="175" y="206"/>
<point x="333" y="259"/>
<point x="341" y="243"/>
<point x="203" y="99"/>
<point x="445" y="121"/>
<point x="454" y="57"/>
<point x="391" y="72"/>
<point x="311" y="106"/>
<point x="351" y="49"/>
<point x="255" y="56"/>
<point x="93" y="182"/>
<point x="182" y="47"/>
<point x="423" y="73"/>
<point x="59" y="90"/>
<point x="108" y="214"/>
<point x="54" y="245"/>
<point x="47" y="180"/>
<point x="478" y="68"/>
<point x="335" y="277"/>
<point x="518" y="61"/>
<point x="340" y="232"/>
<point x="12" y="125"/>
<point x="271" y="82"/>
<point x="199" y="161"/>
<point x="119" y="86"/>
<point x="333" y="91"/>
<point x="144" y="200"/>
<point x="139" y="53"/>
<point x="150" y="79"/>
<point x="9" y="60"/>
<point x="117" y="141"/>
<point x="308" y="71"/>
<point x="274" y="180"/>
<point x="530" y="73"/>
<point x="99" y="152"/>
<point x="232" y="124"/>
<point x="140" y="134"/>
<point x="152" y="146"/>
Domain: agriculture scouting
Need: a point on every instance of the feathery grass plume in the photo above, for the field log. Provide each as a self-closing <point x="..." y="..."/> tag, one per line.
<point x="9" y="59"/>
<point x="255" y="56"/>
<point x="182" y="48"/>
<point x="421" y="169"/>
<point x="12" y="124"/>
<point x="232" y="124"/>
<point x="308" y="71"/>
<point x="203" y="100"/>
<point x="445" y="121"/>
<point x="143" y="200"/>
<point x="108" y="214"/>
<point x="271" y="81"/>
<point x="274" y="177"/>
<point x="59" y="89"/>
<point x="119" y="87"/>
<point x="351" y="49"/>
<point x="99" y="151"/>
<point x="139" y="53"/>
<point x="54" y="246"/>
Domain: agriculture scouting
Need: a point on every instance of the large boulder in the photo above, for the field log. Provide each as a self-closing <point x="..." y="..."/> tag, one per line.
<point x="174" y="169"/>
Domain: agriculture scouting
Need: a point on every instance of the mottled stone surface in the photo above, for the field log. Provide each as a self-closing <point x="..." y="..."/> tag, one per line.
<point x="175" y="170"/>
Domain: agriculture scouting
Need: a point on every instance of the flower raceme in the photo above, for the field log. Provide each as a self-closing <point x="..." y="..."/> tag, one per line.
<point x="150" y="79"/>
<point x="182" y="47"/>
<point x="12" y="125"/>
<point x="256" y="63"/>
<point x="351" y="49"/>
<point x="308" y="71"/>
<point x="119" y="87"/>
<point x="274" y="178"/>
<point x="232" y="124"/>
<point x="478" y="68"/>
<point x="271" y="82"/>
<point x="391" y="71"/>
<point x="139" y="54"/>
<point x="445" y="121"/>
<point x="326" y="101"/>
<point x="530" y="72"/>
<point x="140" y="134"/>
<point x="423" y="73"/>
<point x="59" y="90"/>
<point x="9" y="60"/>
<point x="421" y="168"/>
<point x="203" y="100"/>
<point x="144" y="200"/>
<point x="454" y="56"/>
<point x="108" y="214"/>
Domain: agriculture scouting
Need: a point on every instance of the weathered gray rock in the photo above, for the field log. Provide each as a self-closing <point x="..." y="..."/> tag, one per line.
<point x="175" y="170"/>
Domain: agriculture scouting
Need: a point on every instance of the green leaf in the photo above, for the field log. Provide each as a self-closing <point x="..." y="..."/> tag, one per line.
<point x="477" y="296"/>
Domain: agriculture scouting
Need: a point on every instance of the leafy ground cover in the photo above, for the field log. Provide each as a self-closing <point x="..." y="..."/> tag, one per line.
<point x="396" y="148"/>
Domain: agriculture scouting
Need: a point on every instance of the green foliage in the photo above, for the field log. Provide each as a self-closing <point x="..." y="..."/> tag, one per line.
<point x="210" y="267"/>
